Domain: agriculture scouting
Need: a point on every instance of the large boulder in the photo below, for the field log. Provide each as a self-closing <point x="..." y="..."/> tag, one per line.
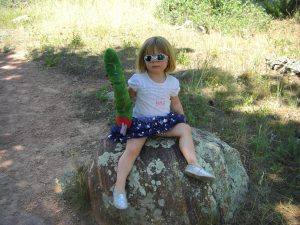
<point x="159" y="192"/>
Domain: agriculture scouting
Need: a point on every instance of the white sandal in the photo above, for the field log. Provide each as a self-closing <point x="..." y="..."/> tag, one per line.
<point x="198" y="172"/>
<point x="120" y="200"/>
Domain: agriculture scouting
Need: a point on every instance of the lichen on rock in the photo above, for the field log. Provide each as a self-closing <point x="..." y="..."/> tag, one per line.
<point x="155" y="167"/>
<point x="166" y="143"/>
<point x="159" y="192"/>
<point x="134" y="182"/>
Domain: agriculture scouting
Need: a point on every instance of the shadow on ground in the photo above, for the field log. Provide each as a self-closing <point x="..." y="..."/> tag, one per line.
<point x="268" y="147"/>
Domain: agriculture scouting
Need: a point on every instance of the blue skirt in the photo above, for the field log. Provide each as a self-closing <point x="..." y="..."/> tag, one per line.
<point x="147" y="126"/>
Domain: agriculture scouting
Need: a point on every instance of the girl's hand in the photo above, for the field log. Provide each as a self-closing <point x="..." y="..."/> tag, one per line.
<point x="123" y="129"/>
<point x="131" y="92"/>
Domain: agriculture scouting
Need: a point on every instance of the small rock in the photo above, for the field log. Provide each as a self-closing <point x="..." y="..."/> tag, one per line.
<point x="21" y="19"/>
<point x="284" y="65"/>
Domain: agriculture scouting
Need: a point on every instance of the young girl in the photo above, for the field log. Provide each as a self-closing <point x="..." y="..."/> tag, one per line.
<point x="157" y="111"/>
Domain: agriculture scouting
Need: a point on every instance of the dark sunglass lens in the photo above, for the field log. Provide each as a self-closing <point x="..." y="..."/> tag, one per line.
<point x="148" y="58"/>
<point x="160" y="57"/>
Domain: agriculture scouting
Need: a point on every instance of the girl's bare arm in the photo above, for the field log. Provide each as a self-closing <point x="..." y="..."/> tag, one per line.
<point x="176" y="105"/>
<point x="131" y="92"/>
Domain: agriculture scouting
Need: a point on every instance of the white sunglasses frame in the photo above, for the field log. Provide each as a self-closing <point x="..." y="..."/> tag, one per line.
<point x="155" y="57"/>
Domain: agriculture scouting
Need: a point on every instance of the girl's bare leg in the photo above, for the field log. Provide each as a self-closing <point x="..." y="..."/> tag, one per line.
<point x="132" y="150"/>
<point x="186" y="144"/>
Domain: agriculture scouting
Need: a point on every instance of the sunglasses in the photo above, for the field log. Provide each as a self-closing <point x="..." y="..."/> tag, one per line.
<point x="158" y="57"/>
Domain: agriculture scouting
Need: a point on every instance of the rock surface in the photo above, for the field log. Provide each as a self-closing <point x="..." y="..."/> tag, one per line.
<point x="160" y="193"/>
<point x="284" y="65"/>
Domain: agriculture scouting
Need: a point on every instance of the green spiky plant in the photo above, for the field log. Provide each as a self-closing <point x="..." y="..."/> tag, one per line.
<point x="123" y="102"/>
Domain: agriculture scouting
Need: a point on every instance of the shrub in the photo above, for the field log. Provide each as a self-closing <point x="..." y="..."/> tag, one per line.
<point x="74" y="185"/>
<point x="229" y="16"/>
<point x="102" y="94"/>
<point x="280" y="8"/>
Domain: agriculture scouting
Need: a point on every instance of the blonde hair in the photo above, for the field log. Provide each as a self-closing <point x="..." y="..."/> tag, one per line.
<point x="163" y="46"/>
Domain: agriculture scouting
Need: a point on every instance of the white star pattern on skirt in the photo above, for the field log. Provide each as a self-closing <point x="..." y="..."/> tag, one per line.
<point x="147" y="126"/>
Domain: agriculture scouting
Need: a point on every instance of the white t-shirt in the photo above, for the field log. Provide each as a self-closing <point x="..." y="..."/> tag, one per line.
<point x="153" y="99"/>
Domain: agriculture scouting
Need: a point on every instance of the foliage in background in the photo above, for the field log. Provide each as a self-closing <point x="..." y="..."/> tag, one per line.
<point x="229" y="16"/>
<point x="297" y="16"/>
<point x="280" y="8"/>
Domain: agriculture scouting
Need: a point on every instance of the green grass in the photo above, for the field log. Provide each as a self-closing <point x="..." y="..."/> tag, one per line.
<point x="211" y="98"/>
<point x="7" y="16"/>
<point x="182" y="58"/>
<point x="74" y="186"/>
<point x="229" y="16"/>
<point x="101" y="94"/>
<point x="7" y="48"/>
<point x="69" y="60"/>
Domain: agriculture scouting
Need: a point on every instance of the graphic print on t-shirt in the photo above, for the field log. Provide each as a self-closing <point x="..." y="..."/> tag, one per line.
<point x="152" y="99"/>
<point x="160" y="103"/>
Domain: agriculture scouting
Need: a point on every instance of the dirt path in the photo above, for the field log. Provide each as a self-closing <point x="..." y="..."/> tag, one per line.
<point x="40" y="137"/>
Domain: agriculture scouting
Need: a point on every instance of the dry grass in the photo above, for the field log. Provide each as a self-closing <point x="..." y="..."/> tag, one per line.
<point x="290" y="212"/>
<point x="117" y="23"/>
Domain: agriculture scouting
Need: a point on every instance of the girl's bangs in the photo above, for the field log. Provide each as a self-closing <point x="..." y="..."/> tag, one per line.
<point x="155" y="45"/>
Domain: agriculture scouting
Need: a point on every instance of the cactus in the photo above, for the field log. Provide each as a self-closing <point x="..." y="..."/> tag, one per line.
<point x="123" y="102"/>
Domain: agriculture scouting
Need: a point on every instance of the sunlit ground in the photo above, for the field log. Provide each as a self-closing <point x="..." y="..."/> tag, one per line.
<point x="290" y="212"/>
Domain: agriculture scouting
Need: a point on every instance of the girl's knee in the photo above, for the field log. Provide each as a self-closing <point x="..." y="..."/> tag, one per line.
<point x="185" y="128"/>
<point x="182" y="129"/>
<point x="134" y="146"/>
<point x="132" y="151"/>
<point x="188" y="128"/>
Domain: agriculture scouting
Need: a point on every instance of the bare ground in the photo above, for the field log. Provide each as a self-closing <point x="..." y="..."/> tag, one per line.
<point x="40" y="138"/>
<point x="48" y="121"/>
